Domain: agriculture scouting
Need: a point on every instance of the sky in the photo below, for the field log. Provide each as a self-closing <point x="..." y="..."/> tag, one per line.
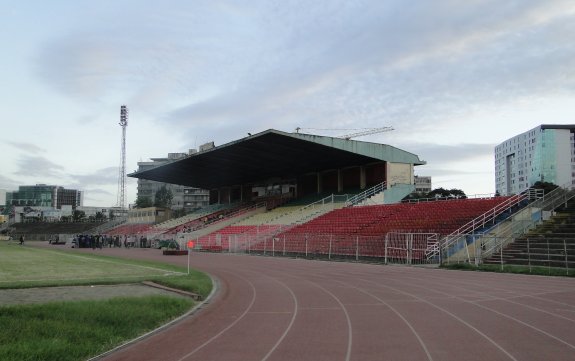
<point x="453" y="78"/>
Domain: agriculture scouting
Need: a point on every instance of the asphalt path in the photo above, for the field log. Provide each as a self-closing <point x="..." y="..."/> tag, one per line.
<point x="290" y="309"/>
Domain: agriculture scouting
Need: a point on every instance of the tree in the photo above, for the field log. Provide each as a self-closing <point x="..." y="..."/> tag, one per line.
<point x="163" y="198"/>
<point x="446" y="193"/>
<point x="78" y="215"/>
<point x="546" y="186"/>
<point x="178" y="213"/>
<point x="438" y="193"/>
<point x="100" y="216"/>
<point x="143" y="202"/>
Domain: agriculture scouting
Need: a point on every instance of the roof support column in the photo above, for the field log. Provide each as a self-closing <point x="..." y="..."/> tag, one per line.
<point x="339" y="181"/>
<point x="319" y="184"/>
<point x="362" y="182"/>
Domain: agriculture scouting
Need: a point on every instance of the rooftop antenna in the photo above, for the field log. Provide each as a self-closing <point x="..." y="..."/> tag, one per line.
<point x="122" y="175"/>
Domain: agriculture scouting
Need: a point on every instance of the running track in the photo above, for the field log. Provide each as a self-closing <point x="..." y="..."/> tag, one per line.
<point x="287" y="309"/>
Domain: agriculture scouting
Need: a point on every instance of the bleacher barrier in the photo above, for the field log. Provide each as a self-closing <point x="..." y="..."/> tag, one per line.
<point x="395" y="248"/>
<point x="551" y="253"/>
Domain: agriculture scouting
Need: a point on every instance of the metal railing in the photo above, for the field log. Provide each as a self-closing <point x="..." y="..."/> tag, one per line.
<point x="455" y="239"/>
<point x="514" y="226"/>
<point x="514" y="229"/>
<point x="360" y="197"/>
<point x="554" y="255"/>
<point x="393" y="248"/>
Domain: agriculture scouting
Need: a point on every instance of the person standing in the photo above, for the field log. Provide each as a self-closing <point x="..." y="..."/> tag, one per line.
<point x="21" y="239"/>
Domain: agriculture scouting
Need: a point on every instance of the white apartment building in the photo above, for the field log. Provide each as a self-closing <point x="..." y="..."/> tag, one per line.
<point x="422" y="184"/>
<point x="545" y="153"/>
<point x="187" y="198"/>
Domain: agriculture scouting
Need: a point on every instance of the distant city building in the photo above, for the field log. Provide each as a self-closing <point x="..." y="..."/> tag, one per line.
<point x="545" y="153"/>
<point x="186" y="198"/>
<point x="42" y="195"/>
<point x="422" y="184"/>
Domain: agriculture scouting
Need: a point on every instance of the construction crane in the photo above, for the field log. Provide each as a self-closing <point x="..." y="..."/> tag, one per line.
<point x="362" y="132"/>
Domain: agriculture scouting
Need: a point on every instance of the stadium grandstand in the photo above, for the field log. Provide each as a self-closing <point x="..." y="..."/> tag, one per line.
<point x="301" y="195"/>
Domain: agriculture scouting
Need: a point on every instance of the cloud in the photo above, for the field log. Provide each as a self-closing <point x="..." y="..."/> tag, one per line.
<point x="104" y="176"/>
<point x="415" y="65"/>
<point x="442" y="154"/>
<point x="8" y="184"/>
<point x="26" y="147"/>
<point x="35" y="166"/>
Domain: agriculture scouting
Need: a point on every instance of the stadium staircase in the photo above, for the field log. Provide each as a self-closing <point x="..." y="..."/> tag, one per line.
<point x="549" y="243"/>
<point x="480" y="243"/>
<point x="367" y="196"/>
<point x="457" y="240"/>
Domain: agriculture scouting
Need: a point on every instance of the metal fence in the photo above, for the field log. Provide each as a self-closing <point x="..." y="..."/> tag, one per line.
<point x="547" y="252"/>
<point x="397" y="248"/>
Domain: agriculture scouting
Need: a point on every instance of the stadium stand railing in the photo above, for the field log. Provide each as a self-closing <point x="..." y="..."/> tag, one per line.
<point x="458" y="239"/>
<point x="400" y="232"/>
<point x="515" y="228"/>
<point x="262" y="226"/>
<point x="368" y="193"/>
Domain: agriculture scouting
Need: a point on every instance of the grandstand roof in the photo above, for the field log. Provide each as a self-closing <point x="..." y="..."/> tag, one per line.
<point x="270" y="154"/>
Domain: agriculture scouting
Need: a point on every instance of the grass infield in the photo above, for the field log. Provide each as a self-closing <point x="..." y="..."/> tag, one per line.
<point x="81" y="329"/>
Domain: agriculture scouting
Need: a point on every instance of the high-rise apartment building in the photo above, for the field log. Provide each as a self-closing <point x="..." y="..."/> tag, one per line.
<point x="545" y="153"/>
<point x="187" y="198"/>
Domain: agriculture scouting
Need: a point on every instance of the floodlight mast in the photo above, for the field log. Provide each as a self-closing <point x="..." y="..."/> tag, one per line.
<point x="121" y="202"/>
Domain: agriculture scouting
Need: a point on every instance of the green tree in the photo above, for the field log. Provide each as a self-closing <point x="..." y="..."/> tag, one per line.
<point x="78" y="216"/>
<point x="446" y="193"/>
<point x="546" y="186"/>
<point x="438" y="193"/>
<point x="100" y="216"/>
<point x="163" y="198"/>
<point x="143" y="202"/>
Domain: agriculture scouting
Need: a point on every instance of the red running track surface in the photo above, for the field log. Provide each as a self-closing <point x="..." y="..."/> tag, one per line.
<point x="287" y="309"/>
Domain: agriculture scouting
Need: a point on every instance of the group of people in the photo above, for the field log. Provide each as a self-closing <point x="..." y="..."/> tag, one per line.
<point x="101" y="241"/>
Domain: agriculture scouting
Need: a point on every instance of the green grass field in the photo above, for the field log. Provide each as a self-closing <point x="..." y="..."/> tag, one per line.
<point x="78" y="330"/>
<point x="29" y="266"/>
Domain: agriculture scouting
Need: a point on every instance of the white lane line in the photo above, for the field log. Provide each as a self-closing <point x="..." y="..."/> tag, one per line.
<point x="246" y="311"/>
<point x="450" y="314"/>
<point x="516" y="294"/>
<point x="501" y="314"/>
<point x="527" y="306"/>
<point x="295" y="311"/>
<point x="527" y="325"/>
<point x="421" y="343"/>
<point x="490" y="298"/>
<point x="349" y="328"/>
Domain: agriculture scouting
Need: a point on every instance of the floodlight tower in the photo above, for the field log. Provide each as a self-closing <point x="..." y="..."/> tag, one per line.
<point x="122" y="175"/>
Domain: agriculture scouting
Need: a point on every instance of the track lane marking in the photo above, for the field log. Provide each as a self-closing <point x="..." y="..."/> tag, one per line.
<point x="497" y="312"/>
<point x="412" y="329"/>
<point x="450" y="314"/>
<point x="288" y="328"/>
<point x="246" y="311"/>
<point x="349" y="327"/>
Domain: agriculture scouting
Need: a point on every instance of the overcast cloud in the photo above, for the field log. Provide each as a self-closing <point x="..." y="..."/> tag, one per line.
<point x="454" y="78"/>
